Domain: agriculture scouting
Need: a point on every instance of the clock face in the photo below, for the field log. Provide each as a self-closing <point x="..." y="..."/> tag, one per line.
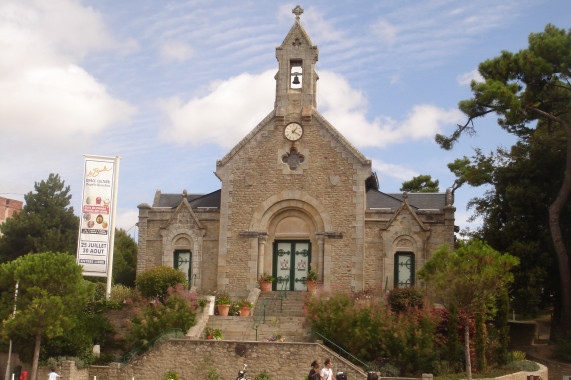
<point x="293" y="131"/>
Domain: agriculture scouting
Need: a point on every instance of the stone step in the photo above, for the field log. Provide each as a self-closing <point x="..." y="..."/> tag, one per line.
<point x="241" y="328"/>
<point x="291" y="305"/>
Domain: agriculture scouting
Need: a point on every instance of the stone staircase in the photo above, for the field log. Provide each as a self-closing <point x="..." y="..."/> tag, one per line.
<point x="285" y="317"/>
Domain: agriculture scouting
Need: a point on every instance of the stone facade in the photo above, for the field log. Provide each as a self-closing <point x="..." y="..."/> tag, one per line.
<point x="294" y="194"/>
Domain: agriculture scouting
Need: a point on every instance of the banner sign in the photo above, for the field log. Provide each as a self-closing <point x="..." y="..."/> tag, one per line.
<point x="97" y="215"/>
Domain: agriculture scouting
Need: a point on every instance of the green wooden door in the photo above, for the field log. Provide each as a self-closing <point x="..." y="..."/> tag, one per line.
<point x="291" y="264"/>
<point x="183" y="262"/>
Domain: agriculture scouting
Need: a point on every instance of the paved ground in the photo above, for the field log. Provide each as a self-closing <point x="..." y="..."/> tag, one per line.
<point x="541" y="353"/>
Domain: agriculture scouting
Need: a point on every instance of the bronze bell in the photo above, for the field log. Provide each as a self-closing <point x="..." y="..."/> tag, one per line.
<point x="295" y="80"/>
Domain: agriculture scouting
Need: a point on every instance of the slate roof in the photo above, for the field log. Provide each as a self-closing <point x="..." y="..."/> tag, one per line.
<point x="418" y="201"/>
<point x="375" y="199"/>
<point x="211" y="200"/>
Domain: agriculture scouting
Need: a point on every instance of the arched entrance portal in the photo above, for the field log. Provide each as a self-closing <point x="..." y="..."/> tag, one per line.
<point x="291" y="221"/>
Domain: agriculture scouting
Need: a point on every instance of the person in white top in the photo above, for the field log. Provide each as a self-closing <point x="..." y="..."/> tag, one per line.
<point x="326" y="373"/>
<point x="53" y="375"/>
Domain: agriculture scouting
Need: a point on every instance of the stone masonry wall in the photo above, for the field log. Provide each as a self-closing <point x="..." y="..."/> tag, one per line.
<point x="192" y="359"/>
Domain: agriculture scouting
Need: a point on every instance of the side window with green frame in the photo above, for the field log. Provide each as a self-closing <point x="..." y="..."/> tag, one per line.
<point x="404" y="269"/>
<point x="183" y="262"/>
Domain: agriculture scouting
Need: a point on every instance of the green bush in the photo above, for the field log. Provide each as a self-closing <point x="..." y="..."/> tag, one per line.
<point x="402" y="299"/>
<point x="178" y="310"/>
<point x="171" y="375"/>
<point x="522" y="365"/>
<point x="154" y="283"/>
<point x="516" y="356"/>
<point x="120" y="294"/>
<point x="263" y="376"/>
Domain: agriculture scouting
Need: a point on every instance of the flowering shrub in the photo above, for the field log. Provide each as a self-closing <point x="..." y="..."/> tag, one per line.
<point x="364" y="325"/>
<point x="178" y="310"/>
<point x="213" y="334"/>
<point x="245" y="303"/>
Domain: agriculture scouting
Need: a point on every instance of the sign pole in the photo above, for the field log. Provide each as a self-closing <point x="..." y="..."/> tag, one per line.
<point x="7" y="375"/>
<point x="112" y="227"/>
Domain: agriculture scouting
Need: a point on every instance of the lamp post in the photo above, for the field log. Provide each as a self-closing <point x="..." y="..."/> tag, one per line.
<point x="7" y="376"/>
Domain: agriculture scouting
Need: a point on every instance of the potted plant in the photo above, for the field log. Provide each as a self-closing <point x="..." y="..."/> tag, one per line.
<point x="265" y="281"/>
<point x="223" y="303"/>
<point x="311" y="280"/>
<point x="245" y="307"/>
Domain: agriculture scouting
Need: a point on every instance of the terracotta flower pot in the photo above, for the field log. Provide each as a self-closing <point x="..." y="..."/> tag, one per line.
<point x="311" y="285"/>
<point x="245" y="312"/>
<point x="223" y="310"/>
<point x="266" y="286"/>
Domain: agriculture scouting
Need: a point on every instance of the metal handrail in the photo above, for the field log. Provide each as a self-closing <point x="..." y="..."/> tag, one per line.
<point x="260" y="317"/>
<point x="129" y="355"/>
<point x="341" y="350"/>
<point x="283" y="292"/>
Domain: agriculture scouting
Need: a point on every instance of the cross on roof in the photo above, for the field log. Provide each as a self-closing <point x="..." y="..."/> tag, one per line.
<point x="297" y="11"/>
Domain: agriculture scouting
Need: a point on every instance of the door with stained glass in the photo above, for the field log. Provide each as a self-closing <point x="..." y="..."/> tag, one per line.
<point x="291" y="264"/>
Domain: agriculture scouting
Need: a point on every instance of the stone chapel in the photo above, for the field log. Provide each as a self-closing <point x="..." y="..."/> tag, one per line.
<point x="294" y="195"/>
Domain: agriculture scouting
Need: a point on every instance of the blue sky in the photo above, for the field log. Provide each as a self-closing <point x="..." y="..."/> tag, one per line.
<point x="171" y="86"/>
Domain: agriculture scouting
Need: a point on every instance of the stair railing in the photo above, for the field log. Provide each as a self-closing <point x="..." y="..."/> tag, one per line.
<point x="340" y="350"/>
<point x="260" y="316"/>
<point x="283" y="292"/>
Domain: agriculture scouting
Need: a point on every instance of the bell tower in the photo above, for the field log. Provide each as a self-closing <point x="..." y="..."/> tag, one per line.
<point x="296" y="80"/>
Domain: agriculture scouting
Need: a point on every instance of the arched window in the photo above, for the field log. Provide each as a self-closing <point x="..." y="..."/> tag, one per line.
<point x="404" y="269"/>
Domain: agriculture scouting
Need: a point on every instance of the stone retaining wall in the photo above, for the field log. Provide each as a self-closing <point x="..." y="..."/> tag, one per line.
<point x="195" y="358"/>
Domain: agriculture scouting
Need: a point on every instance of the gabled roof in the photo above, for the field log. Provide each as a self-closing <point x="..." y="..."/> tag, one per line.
<point x="296" y="30"/>
<point x="211" y="200"/>
<point x="417" y="201"/>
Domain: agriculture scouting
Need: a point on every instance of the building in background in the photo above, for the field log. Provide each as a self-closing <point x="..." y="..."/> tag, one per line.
<point x="295" y="195"/>
<point x="9" y="207"/>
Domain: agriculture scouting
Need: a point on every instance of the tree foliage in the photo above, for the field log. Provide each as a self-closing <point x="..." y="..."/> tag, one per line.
<point x="51" y="293"/>
<point x="124" y="259"/>
<point x="524" y="183"/>
<point x="45" y="223"/>
<point x="469" y="278"/>
<point x="421" y="184"/>
<point x="528" y="90"/>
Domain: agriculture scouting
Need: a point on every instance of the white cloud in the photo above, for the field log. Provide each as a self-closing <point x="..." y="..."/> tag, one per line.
<point x="385" y="31"/>
<point x="398" y="172"/>
<point x="43" y="90"/>
<point x="247" y="98"/>
<point x="346" y="109"/>
<point x="126" y="218"/>
<point x="176" y="51"/>
<point x="225" y="115"/>
<point x="467" y="78"/>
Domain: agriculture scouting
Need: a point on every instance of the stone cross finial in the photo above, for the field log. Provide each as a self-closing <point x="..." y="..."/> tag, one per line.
<point x="297" y="11"/>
